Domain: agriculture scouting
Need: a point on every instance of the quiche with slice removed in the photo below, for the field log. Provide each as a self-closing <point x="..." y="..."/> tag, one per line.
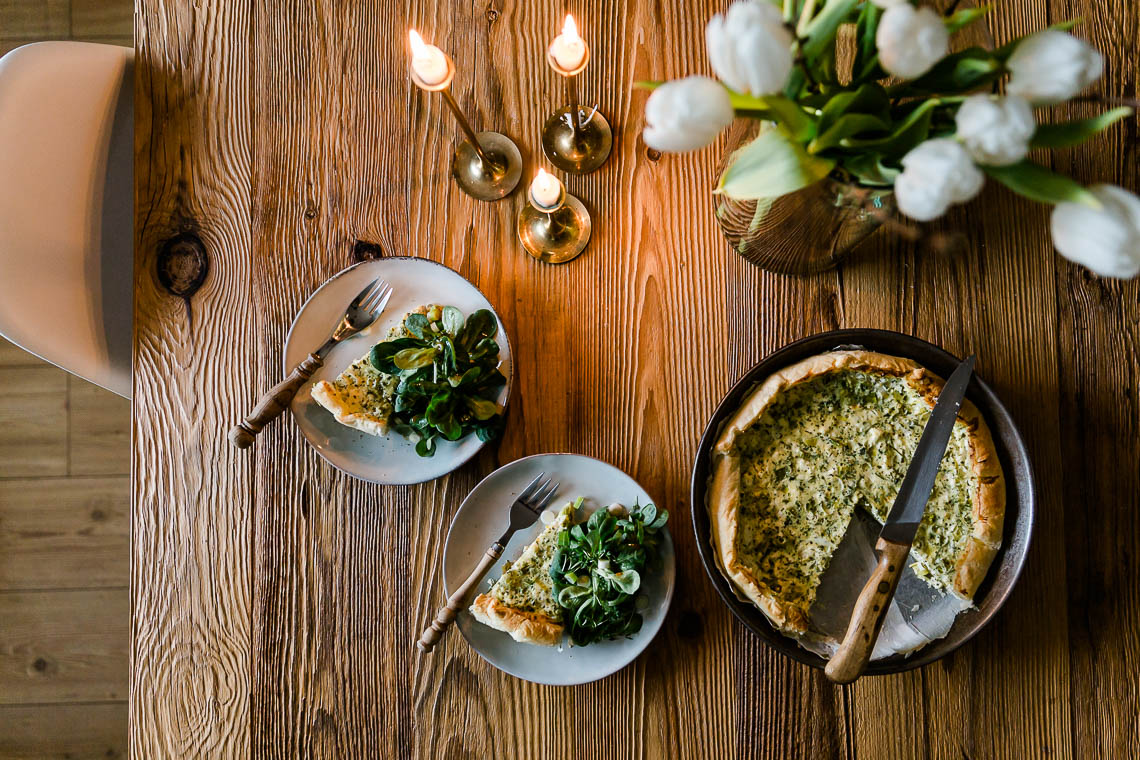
<point x="520" y="602"/>
<point x="829" y="435"/>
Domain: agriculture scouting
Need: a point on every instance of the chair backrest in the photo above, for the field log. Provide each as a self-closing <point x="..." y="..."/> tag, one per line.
<point x="67" y="206"/>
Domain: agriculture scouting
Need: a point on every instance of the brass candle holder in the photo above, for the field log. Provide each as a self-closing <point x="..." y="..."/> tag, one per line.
<point x="487" y="165"/>
<point x="572" y="143"/>
<point x="557" y="233"/>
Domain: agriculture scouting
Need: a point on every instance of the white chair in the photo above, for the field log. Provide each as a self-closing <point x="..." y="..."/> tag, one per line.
<point x="67" y="206"/>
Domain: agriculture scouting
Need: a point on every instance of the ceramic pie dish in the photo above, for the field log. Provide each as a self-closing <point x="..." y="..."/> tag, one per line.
<point x="999" y="581"/>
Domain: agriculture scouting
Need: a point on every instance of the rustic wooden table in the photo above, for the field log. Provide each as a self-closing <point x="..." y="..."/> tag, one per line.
<point x="276" y="600"/>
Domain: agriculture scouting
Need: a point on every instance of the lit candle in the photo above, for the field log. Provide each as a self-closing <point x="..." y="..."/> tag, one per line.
<point x="568" y="49"/>
<point x="428" y="61"/>
<point x="546" y="189"/>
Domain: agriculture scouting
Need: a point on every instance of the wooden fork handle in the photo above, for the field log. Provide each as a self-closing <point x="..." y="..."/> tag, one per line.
<point x="274" y="402"/>
<point x="867" y="617"/>
<point x="446" y="615"/>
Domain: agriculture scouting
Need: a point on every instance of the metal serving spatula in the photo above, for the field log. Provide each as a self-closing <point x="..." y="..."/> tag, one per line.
<point x="898" y="532"/>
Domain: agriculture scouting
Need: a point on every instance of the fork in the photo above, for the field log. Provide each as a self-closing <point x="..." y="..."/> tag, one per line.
<point x="361" y="312"/>
<point x="524" y="511"/>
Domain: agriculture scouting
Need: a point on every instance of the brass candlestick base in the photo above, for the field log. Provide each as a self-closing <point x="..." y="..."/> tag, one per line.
<point x="494" y="179"/>
<point x="578" y="151"/>
<point x="558" y="235"/>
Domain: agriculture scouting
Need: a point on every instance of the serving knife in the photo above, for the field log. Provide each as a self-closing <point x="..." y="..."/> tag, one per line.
<point x="898" y="531"/>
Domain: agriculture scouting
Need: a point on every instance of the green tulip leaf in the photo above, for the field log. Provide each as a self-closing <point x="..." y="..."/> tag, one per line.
<point x="869" y="169"/>
<point x="820" y="32"/>
<point x="865" y="28"/>
<point x="1039" y="184"/>
<point x="868" y="99"/>
<point x="846" y="126"/>
<point x="908" y="133"/>
<point x="769" y="166"/>
<point x="1065" y="134"/>
<point x="779" y="109"/>
<point x="961" y="19"/>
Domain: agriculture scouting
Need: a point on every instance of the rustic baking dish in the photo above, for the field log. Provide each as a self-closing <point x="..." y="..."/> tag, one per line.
<point x="1020" y="496"/>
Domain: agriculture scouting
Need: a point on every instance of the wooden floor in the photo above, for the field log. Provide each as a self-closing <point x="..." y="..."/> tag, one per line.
<point x="64" y="498"/>
<point x="64" y="606"/>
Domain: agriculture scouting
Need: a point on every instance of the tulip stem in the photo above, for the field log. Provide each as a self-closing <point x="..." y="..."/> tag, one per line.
<point x="805" y="18"/>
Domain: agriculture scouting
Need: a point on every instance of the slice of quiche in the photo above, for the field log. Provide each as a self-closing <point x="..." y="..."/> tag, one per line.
<point x="522" y="601"/>
<point x="829" y="435"/>
<point x="362" y="396"/>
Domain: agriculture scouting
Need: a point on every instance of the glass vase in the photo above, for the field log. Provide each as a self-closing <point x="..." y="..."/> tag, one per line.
<point x="807" y="231"/>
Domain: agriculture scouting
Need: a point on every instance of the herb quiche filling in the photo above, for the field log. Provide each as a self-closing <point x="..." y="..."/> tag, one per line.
<point x="830" y="445"/>
<point x="526" y="584"/>
<point x="830" y="435"/>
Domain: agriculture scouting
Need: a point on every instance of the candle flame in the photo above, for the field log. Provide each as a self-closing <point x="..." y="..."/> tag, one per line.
<point x="570" y="29"/>
<point x="419" y="48"/>
<point x="541" y="176"/>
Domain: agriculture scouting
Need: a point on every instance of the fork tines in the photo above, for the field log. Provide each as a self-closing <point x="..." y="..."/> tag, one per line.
<point x="374" y="296"/>
<point x="536" y="495"/>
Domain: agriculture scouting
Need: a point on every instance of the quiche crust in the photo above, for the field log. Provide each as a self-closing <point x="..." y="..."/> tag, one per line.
<point x="346" y="411"/>
<point x="523" y="626"/>
<point x="988" y="499"/>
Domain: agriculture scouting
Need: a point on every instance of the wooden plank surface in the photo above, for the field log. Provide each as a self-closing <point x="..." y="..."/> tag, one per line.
<point x="92" y="731"/>
<point x="63" y="646"/>
<point x="63" y="533"/>
<point x="275" y="599"/>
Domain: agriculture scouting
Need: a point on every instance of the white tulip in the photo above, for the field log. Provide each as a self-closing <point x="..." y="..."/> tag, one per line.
<point x="996" y="131"/>
<point x="750" y="48"/>
<point x="686" y="114"/>
<point x="911" y="40"/>
<point x="936" y="174"/>
<point x="1052" y="66"/>
<point x="1106" y="240"/>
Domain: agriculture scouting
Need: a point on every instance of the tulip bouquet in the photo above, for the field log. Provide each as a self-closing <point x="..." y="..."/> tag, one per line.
<point x="909" y="115"/>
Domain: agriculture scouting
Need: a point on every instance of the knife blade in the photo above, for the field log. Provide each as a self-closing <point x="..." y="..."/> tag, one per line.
<point x="898" y="532"/>
<point x="910" y="503"/>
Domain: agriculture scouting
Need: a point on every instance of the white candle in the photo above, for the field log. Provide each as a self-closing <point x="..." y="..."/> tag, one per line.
<point x="568" y="49"/>
<point x="428" y="61"/>
<point x="545" y="189"/>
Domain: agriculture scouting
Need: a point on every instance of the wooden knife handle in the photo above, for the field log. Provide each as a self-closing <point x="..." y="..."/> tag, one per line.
<point x="274" y="402"/>
<point x="867" y="617"/>
<point x="446" y="615"/>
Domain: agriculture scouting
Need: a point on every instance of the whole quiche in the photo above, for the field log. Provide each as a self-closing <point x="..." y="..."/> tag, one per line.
<point x="827" y="436"/>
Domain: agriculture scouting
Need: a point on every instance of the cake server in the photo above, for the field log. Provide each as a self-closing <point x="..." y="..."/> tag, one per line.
<point x="898" y="532"/>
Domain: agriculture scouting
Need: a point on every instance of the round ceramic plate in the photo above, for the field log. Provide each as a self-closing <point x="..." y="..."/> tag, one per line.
<point x="391" y="459"/>
<point x="482" y="518"/>
<point x="1019" y="507"/>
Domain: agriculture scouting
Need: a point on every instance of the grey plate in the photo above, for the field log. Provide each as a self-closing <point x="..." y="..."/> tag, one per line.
<point x="390" y="459"/>
<point x="481" y="519"/>
<point x="1019" y="509"/>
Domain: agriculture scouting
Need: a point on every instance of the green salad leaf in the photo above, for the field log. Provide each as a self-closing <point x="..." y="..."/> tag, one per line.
<point x="597" y="572"/>
<point x="449" y="378"/>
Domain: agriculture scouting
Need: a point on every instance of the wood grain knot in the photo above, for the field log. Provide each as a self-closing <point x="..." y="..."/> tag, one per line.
<point x="362" y="250"/>
<point x="492" y="14"/>
<point x="40" y="665"/>
<point x="183" y="264"/>
<point x="690" y="625"/>
<point x="652" y="154"/>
